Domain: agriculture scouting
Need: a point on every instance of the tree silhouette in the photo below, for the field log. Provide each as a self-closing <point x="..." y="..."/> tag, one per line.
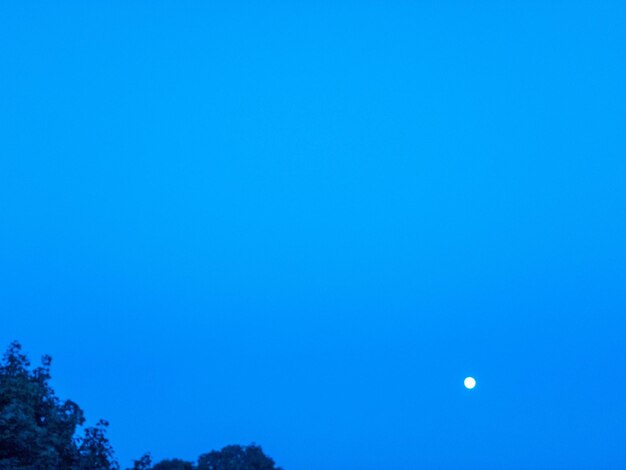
<point x="144" y="462"/>
<point x="235" y="457"/>
<point x="37" y="429"/>
<point x="174" y="464"/>
<point x="95" y="450"/>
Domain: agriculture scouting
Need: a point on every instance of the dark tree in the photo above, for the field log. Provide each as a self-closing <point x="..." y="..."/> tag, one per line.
<point x="174" y="464"/>
<point x="37" y="430"/>
<point x="144" y="463"/>
<point x="95" y="450"/>
<point x="236" y="457"/>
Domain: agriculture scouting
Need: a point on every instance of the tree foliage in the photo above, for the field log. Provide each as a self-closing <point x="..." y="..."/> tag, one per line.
<point x="235" y="457"/>
<point x="174" y="464"/>
<point x="37" y="429"/>
<point x="144" y="462"/>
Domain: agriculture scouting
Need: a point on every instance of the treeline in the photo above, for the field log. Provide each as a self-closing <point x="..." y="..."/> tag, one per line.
<point x="39" y="431"/>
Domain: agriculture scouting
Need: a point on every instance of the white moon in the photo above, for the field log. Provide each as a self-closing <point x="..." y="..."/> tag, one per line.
<point x="469" y="382"/>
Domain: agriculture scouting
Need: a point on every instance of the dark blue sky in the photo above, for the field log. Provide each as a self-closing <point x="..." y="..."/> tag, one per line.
<point x="303" y="226"/>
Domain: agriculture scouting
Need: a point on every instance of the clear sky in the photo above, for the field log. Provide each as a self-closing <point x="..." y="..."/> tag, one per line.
<point x="303" y="224"/>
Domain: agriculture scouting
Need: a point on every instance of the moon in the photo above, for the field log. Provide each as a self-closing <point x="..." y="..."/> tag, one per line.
<point x="469" y="382"/>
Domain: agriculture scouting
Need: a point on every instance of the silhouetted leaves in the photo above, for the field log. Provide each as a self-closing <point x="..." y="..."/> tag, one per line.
<point x="235" y="457"/>
<point x="37" y="430"/>
<point x="144" y="463"/>
<point x="95" y="450"/>
<point x="174" y="464"/>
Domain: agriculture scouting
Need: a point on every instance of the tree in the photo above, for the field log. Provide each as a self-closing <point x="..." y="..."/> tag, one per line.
<point x="37" y="429"/>
<point x="174" y="464"/>
<point x="235" y="457"/>
<point x="144" y="462"/>
<point x="95" y="450"/>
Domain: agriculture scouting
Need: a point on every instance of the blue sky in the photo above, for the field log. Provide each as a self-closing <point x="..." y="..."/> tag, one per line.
<point x="304" y="224"/>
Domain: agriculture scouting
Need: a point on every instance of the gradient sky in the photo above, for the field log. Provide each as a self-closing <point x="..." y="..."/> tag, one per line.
<point x="303" y="224"/>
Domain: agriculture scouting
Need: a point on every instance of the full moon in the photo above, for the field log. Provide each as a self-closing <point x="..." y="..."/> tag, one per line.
<point x="469" y="382"/>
